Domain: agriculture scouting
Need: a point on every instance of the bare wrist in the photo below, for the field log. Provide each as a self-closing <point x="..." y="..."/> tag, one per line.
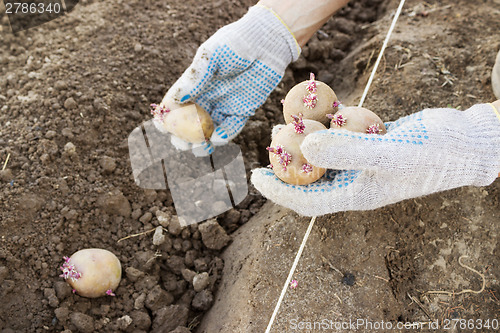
<point x="304" y="17"/>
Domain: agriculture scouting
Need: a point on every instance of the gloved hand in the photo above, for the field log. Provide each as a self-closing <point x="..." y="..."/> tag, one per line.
<point x="429" y="151"/>
<point x="235" y="70"/>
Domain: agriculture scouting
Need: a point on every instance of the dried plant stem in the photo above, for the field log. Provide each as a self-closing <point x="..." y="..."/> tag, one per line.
<point x="452" y="293"/>
<point x="6" y="160"/>
<point x="135" y="235"/>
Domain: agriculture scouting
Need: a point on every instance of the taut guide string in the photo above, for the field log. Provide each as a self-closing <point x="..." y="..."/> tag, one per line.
<point x="313" y="219"/>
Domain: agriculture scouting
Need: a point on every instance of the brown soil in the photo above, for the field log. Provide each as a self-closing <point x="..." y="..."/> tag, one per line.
<point x="73" y="89"/>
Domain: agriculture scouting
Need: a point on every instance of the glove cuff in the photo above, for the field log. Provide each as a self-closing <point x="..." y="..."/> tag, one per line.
<point x="484" y="121"/>
<point x="286" y="33"/>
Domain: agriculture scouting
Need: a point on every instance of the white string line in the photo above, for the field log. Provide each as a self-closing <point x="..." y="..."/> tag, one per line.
<point x="290" y="274"/>
<point x="387" y="37"/>
<point x="313" y="219"/>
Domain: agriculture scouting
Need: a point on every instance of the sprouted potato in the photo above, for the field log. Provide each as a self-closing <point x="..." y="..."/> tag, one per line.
<point x="357" y="119"/>
<point x="313" y="99"/>
<point x="189" y="121"/>
<point x="287" y="160"/>
<point x="92" y="272"/>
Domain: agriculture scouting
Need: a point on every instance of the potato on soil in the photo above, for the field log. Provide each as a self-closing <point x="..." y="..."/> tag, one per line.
<point x="93" y="272"/>
<point x="188" y="121"/>
<point x="313" y="98"/>
<point x="357" y="119"/>
<point x="287" y="160"/>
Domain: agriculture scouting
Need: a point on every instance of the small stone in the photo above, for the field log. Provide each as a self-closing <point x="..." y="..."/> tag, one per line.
<point x="50" y="134"/>
<point x="349" y="279"/>
<point x="67" y="132"/>
<point x="70" y="148"/>
<point x="136" y="213"/>
<point x="150" y="195"/>
<point x="108" y="164"/>
<point x="188" y="275"/>
<point x="61" y="85"/>
<point x="146" y="217"/>
<point x="174" y="227"/>
<point x="201" y="281"/>
<point x="203" y="300"/>
<point x="158" y="237"/>
<point x="163" y="218"/>
<point x="70" y="104"/>
<point x="137" y="47"/>
<point x="190" y="256"/>
<point x="213" y="235"/>
<point x="83" y="322"/>
<point x="124" y="322"/>
<point x="232" y="217"/>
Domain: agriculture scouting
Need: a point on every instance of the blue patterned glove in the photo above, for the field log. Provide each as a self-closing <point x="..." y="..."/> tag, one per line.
<point x="235" y="70"/>
<point x="426" y="152"/>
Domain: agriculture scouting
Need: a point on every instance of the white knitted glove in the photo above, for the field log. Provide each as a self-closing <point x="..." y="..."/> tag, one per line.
<point x="495" y="76"/>
<point x="236" y="69"/>
<point x="429" y="151"/>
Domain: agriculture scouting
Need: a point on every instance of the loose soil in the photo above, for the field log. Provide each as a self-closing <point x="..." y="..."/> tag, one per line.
<point x="72" y="90"/>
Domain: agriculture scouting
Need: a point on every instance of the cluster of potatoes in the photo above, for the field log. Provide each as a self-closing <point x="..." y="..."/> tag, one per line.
<point x="308" y="107"/>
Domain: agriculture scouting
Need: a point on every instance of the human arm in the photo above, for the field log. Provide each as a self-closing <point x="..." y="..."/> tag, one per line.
<point x="305" y="17"/>
<point x="426" y="152"/>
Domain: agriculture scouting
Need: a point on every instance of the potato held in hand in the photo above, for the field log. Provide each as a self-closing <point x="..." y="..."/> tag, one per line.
<point x="313" y="98"/>
<point x="287" y="160"/>
<point x="357" y="119"/>
<point x="189" y="122"/>
<point x="92" y="272"/>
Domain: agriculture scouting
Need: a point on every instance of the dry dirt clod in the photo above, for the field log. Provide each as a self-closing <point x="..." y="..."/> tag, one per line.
<point x="141" y="320"/>
<point x="108" y="164"/>
<point x="158" y="298"/>
<point x="6" y="175"/>
<point x="62" y="314"/>
<point x="133" y="274"/>
<point x="203" y="300"/>
<point x="169" y="318"/>
<point x="83" y="323"/>
<point x="115" y="203"/>
<point x="70" y="104"/>
<point x="124" y="322"/>
<point x="213" y="235"/>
